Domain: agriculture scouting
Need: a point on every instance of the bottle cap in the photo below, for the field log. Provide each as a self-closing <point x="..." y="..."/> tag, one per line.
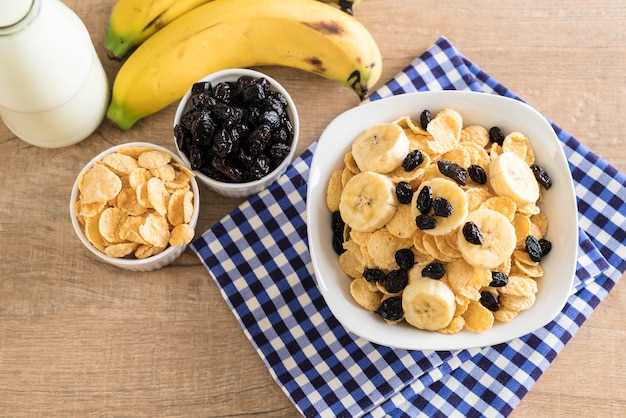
<point x="12" y="11"/>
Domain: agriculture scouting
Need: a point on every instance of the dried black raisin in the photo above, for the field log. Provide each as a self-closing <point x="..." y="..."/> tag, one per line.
<point x="336" y="222"/>
<point x="337" y="225"/>
<point x="434" y="270"/>
<point x="453" y="170"/>
<point x="258" y="139"/>
<point x="230" y="172"/>
<point x="424" y="222"/>
<point x="374" y="275"/>
<point x="498" y="279"/>
<point x="405" y="258"/>
<point x="533" y="248"/>
<point x="489" y="301"/>
<point x="391" y="308"/>
<point x="404" y="192"/>
<point x="337" y="242"/>
<point x="441" y="207"/>
<point x="396" y="281"/>
<point x="542" y="176"/>
<point x="424" y="199"/>
<point x="496" y="135"/>
<point x="200" y="87"/>
<point x="472" y="234"/>
<point x="412" y="160"/>
<point x="425" y="118"/>
<point x="546" y="246"/>
<point x="260" y="168"/>
<point x="477" y="174"/>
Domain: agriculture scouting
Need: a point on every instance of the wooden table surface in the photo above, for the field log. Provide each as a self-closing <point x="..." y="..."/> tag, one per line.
<point x="80" y="338"/>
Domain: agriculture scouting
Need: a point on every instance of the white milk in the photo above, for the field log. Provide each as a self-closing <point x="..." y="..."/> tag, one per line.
<point x="53" y="89"/>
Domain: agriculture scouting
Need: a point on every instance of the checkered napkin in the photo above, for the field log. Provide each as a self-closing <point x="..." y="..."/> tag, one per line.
<point x="258" y="256"/>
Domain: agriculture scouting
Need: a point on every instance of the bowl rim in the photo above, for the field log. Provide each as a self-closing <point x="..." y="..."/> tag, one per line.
<point x="130" y="262"/>
<point x="386" y="110"/>
<point x="231" y="74"/>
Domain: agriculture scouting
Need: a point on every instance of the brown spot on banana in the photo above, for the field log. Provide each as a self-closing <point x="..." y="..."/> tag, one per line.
<point x="317" y="63"/>
<point x="328" y="27"/>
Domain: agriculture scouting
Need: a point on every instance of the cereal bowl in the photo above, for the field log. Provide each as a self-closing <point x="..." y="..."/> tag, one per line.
<point x="231" y="168"/>
<point x="130" y="262"/>
<point x="558" y="204"/>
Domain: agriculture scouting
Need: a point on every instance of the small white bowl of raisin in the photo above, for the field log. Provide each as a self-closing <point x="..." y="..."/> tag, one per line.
<point x="237" y="129"/>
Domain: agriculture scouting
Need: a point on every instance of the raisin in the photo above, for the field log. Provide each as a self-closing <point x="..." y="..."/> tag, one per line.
<point x="453" y="170"/>
<point x="472" y="234"/>
<point x="195" y="158"/>
<point x="498" y="279"/>
<point x="270" y="118"/>
<point x="542" y="176"/>
<point x="477" y="174"/>
<point x="496" y="135"/>
<point x="546" y="246"/>
<point x="183" y="138"/>
<point x="533" y="248"/>
<point x="338" y="244"/>
<point x="404" y="192"/>
<point x="424" y="222"/>
<point x="200" y="87"/>
<point x="337" y="224"/>
<point x="279" y="151"/>
<point x="252" y="94"/>
<point x="222" y="143"/>
<point x="396" y="281"/>
<point x="203" y="127"/>
<point x="405" y="258"/>
<point x="424" y="199"/>
<point x="374" y="275"/>
<point x="391" y="308"/>
<point x="232" y="173"/>
<point x="489" y="301"/>
<point x="258" y="139"/>
<point x="441" y="207"/>
<point x="412" y="160"/>
<point x="221" y="92"/>
<point x="260" y="168"/>
<point x="434" y="270"/>
<point x="425" y="118"/>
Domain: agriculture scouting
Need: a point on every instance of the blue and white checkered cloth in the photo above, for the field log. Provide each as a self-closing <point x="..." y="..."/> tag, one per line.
<point x="259" y="258"/>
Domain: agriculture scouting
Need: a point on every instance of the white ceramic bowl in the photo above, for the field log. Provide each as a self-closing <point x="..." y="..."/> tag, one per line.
<point x="248" y="188"/>
<point x="476" y="108"/>
<point x="154" y="262"/>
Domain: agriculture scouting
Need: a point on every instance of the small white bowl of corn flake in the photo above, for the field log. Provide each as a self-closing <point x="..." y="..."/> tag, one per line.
<point x="135" y="206"/>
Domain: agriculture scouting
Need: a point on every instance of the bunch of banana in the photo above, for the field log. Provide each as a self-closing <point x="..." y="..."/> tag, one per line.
<point x="133" y="21"/>
<point x="303" y="34"/>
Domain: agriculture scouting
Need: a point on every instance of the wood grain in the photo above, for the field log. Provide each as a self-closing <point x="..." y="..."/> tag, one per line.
<point x="79" y="338"/>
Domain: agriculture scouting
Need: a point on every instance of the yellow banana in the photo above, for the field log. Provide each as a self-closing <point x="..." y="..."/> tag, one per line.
<point x="133" y="21"/>
<point x="303" y="34"/>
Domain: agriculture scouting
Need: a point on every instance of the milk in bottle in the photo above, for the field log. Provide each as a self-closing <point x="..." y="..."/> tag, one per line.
<point x="53" y="89"/>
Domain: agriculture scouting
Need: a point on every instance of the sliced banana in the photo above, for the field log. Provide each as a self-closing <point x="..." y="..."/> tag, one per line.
<point x="454" y="194"/>
<point x="428" y="304"/>
<point x="368" y="201"/>
<point x="380" y="148"/>
<point x="498" y="236"/>
<point x="511" y="176"/>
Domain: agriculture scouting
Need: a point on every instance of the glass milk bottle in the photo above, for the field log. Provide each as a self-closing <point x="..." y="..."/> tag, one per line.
<point x="53" y="89"/>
